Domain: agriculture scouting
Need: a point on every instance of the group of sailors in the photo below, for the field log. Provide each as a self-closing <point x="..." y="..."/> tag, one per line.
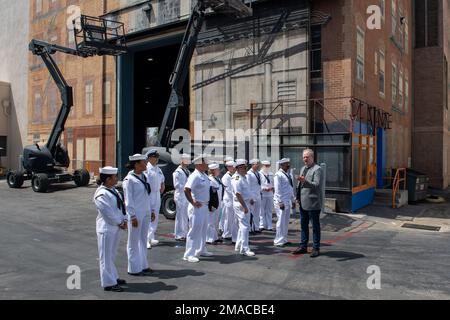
<point x="211" y="207"/>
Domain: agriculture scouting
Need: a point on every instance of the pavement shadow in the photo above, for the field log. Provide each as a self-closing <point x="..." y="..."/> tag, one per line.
<point x="148" y="288"/>
<point x="342" y="255"/>
<point x="173" y="274"/>
<point x="229" y="259"/>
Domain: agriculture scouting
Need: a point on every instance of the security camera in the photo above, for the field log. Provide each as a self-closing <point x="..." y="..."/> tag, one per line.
<point x="402" y="20"/>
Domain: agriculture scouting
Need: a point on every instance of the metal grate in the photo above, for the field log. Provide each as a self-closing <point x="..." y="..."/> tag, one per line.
<point x="420" y="226"/>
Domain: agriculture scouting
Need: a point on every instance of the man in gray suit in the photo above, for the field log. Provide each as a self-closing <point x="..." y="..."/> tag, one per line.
<point x="309" y="195"/>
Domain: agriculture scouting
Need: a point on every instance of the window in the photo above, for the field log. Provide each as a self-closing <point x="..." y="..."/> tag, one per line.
<point x="316" y="52"/>
<point x="400" y="90"/>
<point x="394" y="17"/>
<point x="381" y="73"/>
<point x="360" y="54"/>
<point x="406" y="93"/>
<point x="36" y="138"/>
<point x="406" y="42"/>
<point x="383" y="9"/>
<point x="37" y="110"/>
<point x="446" y="88"/>
<point x="426" y="23"/>
<point x="364" y="149"/>
<point x="38" y="6"/>
<point x="394" y="84"/>
<point x="89" y="98"/>
<point x="107" y="97"/>
<point x="52" y="108"/>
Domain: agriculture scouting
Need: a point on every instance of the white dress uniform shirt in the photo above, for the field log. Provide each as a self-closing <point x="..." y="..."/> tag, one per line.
<point x="284" y="189"/>
<point x="180" y="177"/>
<point x="138" y="204"/>
<point x="137" y="200"/>
<point x="199" y="184"/>
<point x="110" y="216"/>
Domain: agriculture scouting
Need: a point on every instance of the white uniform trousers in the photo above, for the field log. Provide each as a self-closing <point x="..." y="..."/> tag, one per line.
<point x="256" y="212"/>
<point x="242" y="245"/>
<point x="196" y="237"/>
<point x="282" y="222"/>
<point x="154" y="225"/>
<point x="213" y="226"/>
<point x="137" y="245"/>
<point x="229" y="221"/>
<point x="266" y="213"/>
<point x="181" y="219"/>
<point x="108" y="243"/>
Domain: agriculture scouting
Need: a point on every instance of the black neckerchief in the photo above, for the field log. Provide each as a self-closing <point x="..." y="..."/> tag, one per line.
<point x="144" y="182"/>
<point x="222" y="185"/>
<point x="120" y="203"/>
<point x="186" y="172"/>
<point x="267" y="178"/>
<point x="287" y="176"/>
<point x="257" y="177"/>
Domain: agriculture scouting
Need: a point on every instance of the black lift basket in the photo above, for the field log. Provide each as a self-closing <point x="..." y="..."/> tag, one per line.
<point x="98" y="36"/>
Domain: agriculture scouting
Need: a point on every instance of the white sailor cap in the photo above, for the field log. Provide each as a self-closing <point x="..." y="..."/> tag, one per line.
<point x="185" y="156"/>
<point x="137" y="157"/>
<point x="265" y="163"/>
<point x="230" y="164"/>
<point x="200" y="159"/>
<point x="254" y="161"/>
<point x="213" y="166"/>
<point x="228" y="159"/>
<point x="240" y="162"/>
<point x="152" y="153"/>
<point x="284" y="160"/>
<point x="109" y="170"/>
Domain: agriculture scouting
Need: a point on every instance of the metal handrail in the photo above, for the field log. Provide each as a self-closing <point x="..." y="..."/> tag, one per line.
<point x="396" y="183"/>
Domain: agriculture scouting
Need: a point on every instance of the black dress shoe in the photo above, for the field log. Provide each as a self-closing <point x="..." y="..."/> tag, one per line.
<point x="115" y="288"/>
<point x="121" y="282"/>
<point x="218" y="241"/>
<point x="315" y="253"/>
<point x="300" y="251"/>
<point x="288" y="243"/>
<point x="138" y="274"/>
<point x="228" y="239"/>
<point x="147" y="272"/>
<point x="233" y="243"/>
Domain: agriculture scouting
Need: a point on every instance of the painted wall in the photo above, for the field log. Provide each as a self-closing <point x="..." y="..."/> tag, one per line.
<point x="14" y="26"/>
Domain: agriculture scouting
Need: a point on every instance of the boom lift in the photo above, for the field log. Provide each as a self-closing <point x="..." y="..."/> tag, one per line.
<point x="235" y="8"/>
<point x="45" y="165"/>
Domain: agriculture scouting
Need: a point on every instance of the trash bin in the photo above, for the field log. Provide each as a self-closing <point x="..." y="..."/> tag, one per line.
<point x="417" y="184"/>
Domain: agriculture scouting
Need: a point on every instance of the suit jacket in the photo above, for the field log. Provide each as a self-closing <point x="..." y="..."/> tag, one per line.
<point x="309" y="193"/>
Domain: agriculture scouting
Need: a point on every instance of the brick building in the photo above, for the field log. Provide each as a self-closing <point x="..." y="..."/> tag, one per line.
<point x="431" y="90"/>
<point x="325" y="72"/>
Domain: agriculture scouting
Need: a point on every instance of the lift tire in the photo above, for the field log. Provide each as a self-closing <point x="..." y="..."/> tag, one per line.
<point x="15" y="179"/>
<point x="168" y="206"/>
<point x="40" y="182"/>
<point x="81" y="177"/>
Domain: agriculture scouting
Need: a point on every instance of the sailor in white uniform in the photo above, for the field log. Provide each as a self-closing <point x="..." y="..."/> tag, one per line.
<point x="138" y="202"/>
<point x="230" y="223"/>
<point x="180" y="177"/>
<point x="222" y="212"/>
<point x="241" y="203"/>
<point x="284" y="201"/>
<point x="156" y="180"/>
<point x="212" y="236"/>
<point x="267" y="180"/>
<point x="110" y="219"/>
<point x="254" y="181"/>
<point x="197" y="193"/>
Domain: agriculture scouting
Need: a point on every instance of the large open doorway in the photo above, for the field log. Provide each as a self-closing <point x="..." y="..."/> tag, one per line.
<point x="152" y="90"/>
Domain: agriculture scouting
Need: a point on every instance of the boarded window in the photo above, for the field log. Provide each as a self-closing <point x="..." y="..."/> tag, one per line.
<point x="89" y="98"/>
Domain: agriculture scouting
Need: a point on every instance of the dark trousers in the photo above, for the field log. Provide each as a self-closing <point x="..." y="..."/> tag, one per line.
<point x="305" y="216"/>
